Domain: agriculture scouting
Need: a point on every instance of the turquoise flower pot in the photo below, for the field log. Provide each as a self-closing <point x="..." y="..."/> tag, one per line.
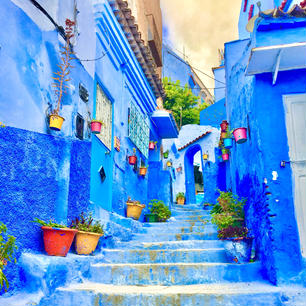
<point x="228" y="143"/>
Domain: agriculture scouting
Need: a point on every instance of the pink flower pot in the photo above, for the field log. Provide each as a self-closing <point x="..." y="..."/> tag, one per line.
<point x="95" y="126"/>
<point x="240" y="135"/>
<point x="225" y="157"/>
<point x="151" y="145"/>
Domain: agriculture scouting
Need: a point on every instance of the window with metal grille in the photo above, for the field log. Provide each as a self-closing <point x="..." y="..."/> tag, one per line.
<point x="139" y="131"/>
<point x="104" y="113"/>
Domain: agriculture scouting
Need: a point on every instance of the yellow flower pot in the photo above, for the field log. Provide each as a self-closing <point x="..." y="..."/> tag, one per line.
<point x="86" y="242"/>
<point x="134" y="210"/>
<point x="55" y="122"/>
<point x="181" y="201"/>
<point x="205" y="156"/>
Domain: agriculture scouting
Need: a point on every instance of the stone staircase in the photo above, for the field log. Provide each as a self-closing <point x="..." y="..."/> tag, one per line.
<point x="180" y="262"/>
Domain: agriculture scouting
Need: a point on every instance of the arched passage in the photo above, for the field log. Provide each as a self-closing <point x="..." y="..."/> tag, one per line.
<point x="189" y="172"/>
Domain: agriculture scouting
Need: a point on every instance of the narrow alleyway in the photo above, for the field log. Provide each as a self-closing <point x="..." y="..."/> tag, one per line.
<point x="180" y="262"/>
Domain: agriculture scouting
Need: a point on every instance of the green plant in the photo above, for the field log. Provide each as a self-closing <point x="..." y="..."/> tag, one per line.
<point x="228" y="211"/>
<point x="86" y="224"/>
<point x="62" y="75"/>
<point x="228" y="132"/>
<point x="7" y="249"/>
<point x="180" y="195"/>
<point x="49" y="224"/>
<point x="159" y="208"/>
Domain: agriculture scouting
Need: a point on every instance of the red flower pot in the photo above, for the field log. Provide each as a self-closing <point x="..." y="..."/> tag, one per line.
<point x="132" y="159"/>
<point x="58" y="241"/>
<point x="240" y="135"/>
<point x="225" y="157"/>
<point x="224" y="125"/>
<point x="95" y="126"/>
<point x="151" y="145"/>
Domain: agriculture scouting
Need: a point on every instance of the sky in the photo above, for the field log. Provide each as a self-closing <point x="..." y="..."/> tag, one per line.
<point x="201" y="27"/>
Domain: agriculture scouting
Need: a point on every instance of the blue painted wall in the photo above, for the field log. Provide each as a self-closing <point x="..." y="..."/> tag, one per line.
<point x="254" y="103"/>
<point x="42" y="176"/>
<point x="213" y="114"/>
<point x="219" y="75"/>
<point x="177" y="69"/>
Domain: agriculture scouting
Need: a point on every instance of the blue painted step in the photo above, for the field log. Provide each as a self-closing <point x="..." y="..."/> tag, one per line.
<point x="165" y="255"/>
<point x="239" y="294"/>
<point x="207" y="235"/>
<point x="191" y="244"/>
<point x="179" y="229"/>
<point x="173" y="274"/>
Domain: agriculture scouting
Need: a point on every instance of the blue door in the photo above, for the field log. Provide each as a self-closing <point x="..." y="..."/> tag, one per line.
<point x="102" y="153"/>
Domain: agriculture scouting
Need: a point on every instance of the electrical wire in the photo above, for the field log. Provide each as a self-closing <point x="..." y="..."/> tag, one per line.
<point x="173" y="54"/>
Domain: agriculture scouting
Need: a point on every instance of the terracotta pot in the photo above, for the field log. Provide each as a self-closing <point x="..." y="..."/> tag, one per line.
<point x="143" y="171"/>
<point x="179" y="169"/>
<point x="95" y="126"/>
<point x="58" y="241"/>
<point x="240" y="135"/>
<point x="56" y="122"/>
<point x="223" y="135"/>
<point x="151" y="145"/>
<point x="180" y="201"/>
<point x="224" y="125"/>
<point x="132" y="159"/>
<point x="134" y="210"/>
<point x="86" y="242"/>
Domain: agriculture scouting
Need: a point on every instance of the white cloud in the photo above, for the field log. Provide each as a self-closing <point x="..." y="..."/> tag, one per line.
<point x="201" y="27"/>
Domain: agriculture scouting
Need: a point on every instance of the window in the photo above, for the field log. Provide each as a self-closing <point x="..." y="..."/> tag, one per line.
<point x="139" y="131"/>
<point x="104" y="113"/>
<point x="79" y="127"/>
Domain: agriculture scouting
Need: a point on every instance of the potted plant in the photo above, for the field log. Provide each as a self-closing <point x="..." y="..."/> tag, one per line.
<point x="151" y="216"/>
<point x="240" y="135"/>
<point x="159" y="208"/>
<point x="152" y="144"/>
<point x="180" y="198"/>
<point x="225" y="154"/>
<point x="133" y="158"/>
<point x="224" y="125"/>
<point x="57" y="237"/>
<point x="205" y="156"/>
<point x="7" y="249"/>
<point x="88" y="235"/>
<point x="169" y="163"/>
<point x="95" y="126"/>
<point x="228" y="140"/>
<point x="62" y="77"/>
<point x="134" y="209"/>
<point x="179" y="169"/>
<point x="228" y="215"/>
<point x="143" y="170"/>
<point x="166" y="154"/>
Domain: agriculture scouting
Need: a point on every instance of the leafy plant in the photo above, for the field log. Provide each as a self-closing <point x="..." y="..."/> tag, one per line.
<point x="62" y="75"/>
<point x="233" y="232"/>
<point x="87" y="224"/>
<point x="182" y="102"/>
<point x="180" y="195"/>
<point x="49" y="224"/>
<point x="228" y="211"/>
<point x="7" y="249"/>
<point x="159" y="208"/>
<point x="228" y="132"/>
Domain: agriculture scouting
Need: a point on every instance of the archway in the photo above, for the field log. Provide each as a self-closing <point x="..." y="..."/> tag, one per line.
<point x="190" y="185"/>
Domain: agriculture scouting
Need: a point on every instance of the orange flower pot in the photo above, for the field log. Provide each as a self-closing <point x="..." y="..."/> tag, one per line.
<point x="143" y="171"/>
<point x="86" y="242"/>
<point x="181" y="201"/>
<point x="58" y="241"/>
<point x="56" y="122"/>
<point x="134" y="210"/>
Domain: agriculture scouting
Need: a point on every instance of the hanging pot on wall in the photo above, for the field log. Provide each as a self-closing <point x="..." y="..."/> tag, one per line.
<point x="143" y="171"/>
<point x="223" y="135"/>
<point x="55" y="122"/>
<point x="225" y="157"/>
<point x="166" y="154"/>
<point x="228" y="143"/>
<point x="205" y="156"/>
<point x="132" y="159"/>
<point x="224" y="125"/>
<point x="169" y="163"/>
<point x="179" y="169"/>
<point x="151" y="145"/>
<point x="240" y="135"/>
<point x="95" y="126"/>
